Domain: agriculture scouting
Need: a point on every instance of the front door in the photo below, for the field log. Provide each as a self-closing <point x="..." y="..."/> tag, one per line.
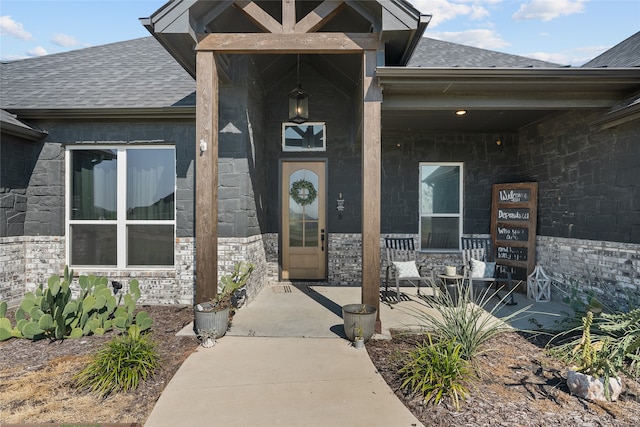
<point x="304" y="244"/>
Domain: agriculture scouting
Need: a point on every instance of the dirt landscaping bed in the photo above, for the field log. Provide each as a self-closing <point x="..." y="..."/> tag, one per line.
<point x="520" y="384"/>
<point x="36" y="377"/>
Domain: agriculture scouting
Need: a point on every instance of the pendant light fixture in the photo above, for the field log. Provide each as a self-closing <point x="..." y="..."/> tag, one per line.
<point x="298" y="101"/>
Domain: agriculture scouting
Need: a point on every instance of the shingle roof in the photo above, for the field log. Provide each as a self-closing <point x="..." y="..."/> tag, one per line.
<point x="137" y="73"/>
<point x="624" y="54"/>
<point x="432" y="53"/>
<point x="10" y="123"/>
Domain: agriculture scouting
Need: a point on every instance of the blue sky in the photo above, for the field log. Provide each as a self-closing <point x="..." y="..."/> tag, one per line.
<point x="568" y="32"/>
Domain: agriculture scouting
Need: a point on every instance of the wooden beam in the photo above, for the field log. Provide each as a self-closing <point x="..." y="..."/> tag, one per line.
<point x="317" y="18"/>
<point x="259" y="17"/>
<point x="371" y="166"/>
<point x="317" y="43"/>
<point x="288" y="16"/>
<point x="206" y="190"/>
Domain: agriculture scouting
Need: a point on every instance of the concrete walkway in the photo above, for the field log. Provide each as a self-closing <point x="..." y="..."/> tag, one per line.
<point x="285" y="362"/>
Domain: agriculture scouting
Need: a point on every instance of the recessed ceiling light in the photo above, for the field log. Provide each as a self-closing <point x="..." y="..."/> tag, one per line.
<point x="461" y="112"/>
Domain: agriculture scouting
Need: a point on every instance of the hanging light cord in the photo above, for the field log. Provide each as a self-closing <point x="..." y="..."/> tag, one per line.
<point x="298" y="71"/>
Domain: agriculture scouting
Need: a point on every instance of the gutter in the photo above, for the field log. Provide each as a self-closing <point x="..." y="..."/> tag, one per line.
<point x="170" y="113"/>
<point x="391" y="73"/>
<point x="21" y="131"/>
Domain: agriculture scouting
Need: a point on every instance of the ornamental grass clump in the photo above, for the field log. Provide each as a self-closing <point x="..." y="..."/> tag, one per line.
<point x="437" y="370"/>
<point x="463" y="320"/>
<point x="121" y="365"/>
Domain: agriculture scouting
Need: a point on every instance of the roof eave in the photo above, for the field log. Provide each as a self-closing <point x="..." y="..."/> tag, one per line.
<point x="21" y="131"/>
<point x="619" y="117"/>
<point x="165" y="113"/>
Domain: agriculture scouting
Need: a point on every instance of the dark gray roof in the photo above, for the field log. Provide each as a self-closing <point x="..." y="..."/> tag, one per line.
<point x="624" y="54"/>
<point x="9" y="123"/>
<point x="432" y="53"/>
<point x="137" y="73"/>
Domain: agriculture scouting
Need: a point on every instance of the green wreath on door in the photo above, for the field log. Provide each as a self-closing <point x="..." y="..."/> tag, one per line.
<point x="303" y="199"/>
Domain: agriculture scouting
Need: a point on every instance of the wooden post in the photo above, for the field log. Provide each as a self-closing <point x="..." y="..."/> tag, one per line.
<point x="371" y="166"/>
<point x="206" y="182"/>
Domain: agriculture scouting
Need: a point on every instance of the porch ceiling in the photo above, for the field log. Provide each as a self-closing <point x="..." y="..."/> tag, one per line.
<point x="496" y="100"/>
<point x="488" y="121"/>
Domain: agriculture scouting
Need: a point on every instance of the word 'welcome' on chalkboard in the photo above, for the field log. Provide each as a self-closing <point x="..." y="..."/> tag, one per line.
<point x="514" y="195"/>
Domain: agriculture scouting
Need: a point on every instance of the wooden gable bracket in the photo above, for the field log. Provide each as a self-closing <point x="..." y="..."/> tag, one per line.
<point x="315" y="20"/>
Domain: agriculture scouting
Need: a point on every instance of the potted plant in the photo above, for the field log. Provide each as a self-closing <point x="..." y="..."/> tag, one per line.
<point x="207" y="337"/>
<point x="214" y="315"/>
<point x="359" y="316"/>
<point x="595" y="378"/>
<point x="358" y="340"/>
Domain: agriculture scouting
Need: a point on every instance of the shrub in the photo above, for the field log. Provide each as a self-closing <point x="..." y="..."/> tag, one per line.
<point x="609" y="343"/>
<point x="437" y="370"/>
<point x="469" y="324"/>
<point x="121" y="365"/>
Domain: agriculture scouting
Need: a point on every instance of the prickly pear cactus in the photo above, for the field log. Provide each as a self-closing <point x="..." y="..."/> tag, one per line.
<point x="52" y="312"/>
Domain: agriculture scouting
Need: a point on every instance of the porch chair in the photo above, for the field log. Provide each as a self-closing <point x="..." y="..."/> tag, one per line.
<point x="402" y="265"/>
<point x="479" y="265"/>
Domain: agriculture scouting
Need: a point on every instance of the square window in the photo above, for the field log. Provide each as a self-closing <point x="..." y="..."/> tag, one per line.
<point x="303" y="137"/>
<point x="121" y="206"/>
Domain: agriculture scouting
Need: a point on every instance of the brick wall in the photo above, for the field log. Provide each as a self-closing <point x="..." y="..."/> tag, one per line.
<point x="610" y="269"/>
<point x="30" y="261"/>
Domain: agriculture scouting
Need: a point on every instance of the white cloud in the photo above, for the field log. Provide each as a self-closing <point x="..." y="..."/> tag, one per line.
<point x="64" y="40"/>
<point x="546" y="10"/>
<point x="446" y="10"/>
<point x="9" y="27"/>
<point x="482" y="38"/>
<point x="574" y="57"/>
<point x="37" y="51"/>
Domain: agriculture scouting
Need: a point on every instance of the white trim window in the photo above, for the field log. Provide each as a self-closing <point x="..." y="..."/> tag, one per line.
<point x="308" y="136"/>
<point x="441" y="187"/>
<point x="120" y="204"/>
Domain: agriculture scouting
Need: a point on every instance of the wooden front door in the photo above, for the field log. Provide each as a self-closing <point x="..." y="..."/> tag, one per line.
<point x="304" y="243"/>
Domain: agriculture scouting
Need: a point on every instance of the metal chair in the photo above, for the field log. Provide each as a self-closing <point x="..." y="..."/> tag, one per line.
<point x="402" y="264"/>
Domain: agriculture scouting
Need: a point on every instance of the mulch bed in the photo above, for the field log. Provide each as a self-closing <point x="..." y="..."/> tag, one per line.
<point x="519" y="385"/>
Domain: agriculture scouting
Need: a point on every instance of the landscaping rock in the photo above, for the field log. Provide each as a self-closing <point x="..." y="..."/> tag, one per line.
<point x="591" y="388"/>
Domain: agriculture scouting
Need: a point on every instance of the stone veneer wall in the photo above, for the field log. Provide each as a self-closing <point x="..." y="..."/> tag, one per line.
<point x="345" y="258"/>
<point x="30" y="260"/>
<point x="610" y="269"/>
<point x="13" y="271"/>
<point x="252" y="249"/>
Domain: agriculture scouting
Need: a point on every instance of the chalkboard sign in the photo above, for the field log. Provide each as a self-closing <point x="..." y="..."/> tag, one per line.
<point x="516" y="234"/>
<point x="512" y="253"/>
<point x="514" y="195"/>
<point x="513" y="226"/>
<point x="513" y="214"/>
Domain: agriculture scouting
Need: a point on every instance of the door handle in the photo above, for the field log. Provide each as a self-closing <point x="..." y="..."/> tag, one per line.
<point x="322" y="239"/>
